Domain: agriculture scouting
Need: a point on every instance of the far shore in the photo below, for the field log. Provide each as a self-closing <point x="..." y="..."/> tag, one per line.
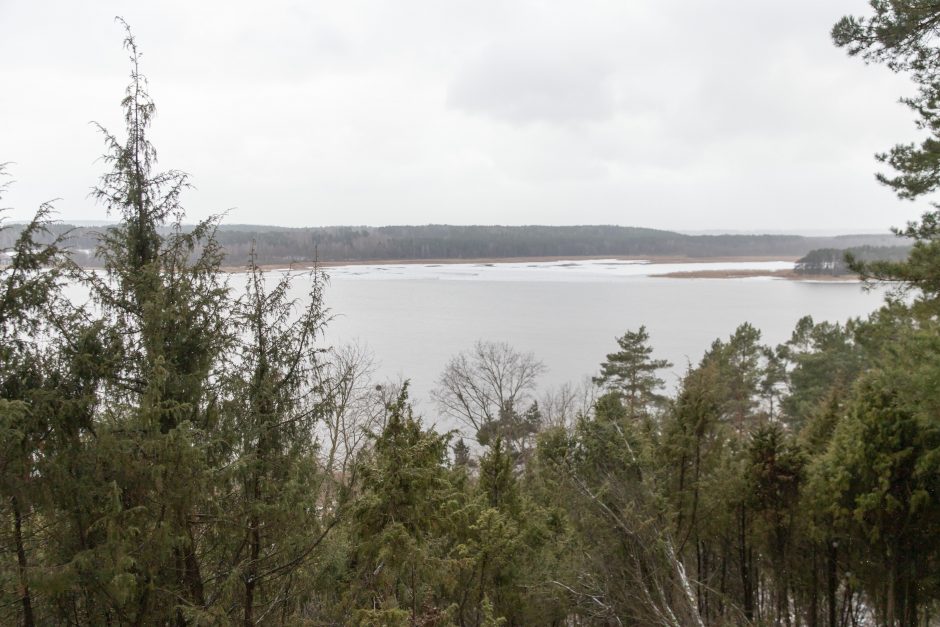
<point x="653" y="259"/>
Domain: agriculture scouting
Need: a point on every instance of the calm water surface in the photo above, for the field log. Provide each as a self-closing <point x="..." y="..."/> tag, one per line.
<point x="414" y="318"/>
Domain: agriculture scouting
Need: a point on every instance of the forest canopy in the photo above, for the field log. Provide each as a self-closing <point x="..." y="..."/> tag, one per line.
<point x="271" y="245"/>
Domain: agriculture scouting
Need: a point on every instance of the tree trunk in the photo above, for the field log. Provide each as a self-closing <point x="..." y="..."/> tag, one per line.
<point x="891" y="605"/>
<point x="254" y="552"/>
<point x="831" y="587"/>
<point x="25" y="599"/>
<point x="747" y="581"/>
<point x="813" y="614"/>
<point x="193" y="572"/>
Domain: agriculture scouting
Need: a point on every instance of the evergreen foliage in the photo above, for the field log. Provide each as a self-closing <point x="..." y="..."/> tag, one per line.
<point x="630" y="373"/>
<point x="838" y="262"/>
<point x="903" y="35"/>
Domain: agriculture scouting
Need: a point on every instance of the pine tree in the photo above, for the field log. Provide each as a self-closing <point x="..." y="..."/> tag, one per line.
<point x="631" y="373"/>
<point x="822" y="358"/>
<point x="902" y="35"/>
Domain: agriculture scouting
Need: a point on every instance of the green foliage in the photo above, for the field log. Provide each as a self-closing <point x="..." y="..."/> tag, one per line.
<point x="400" y="564"/>
<point x="823" y="360"/>
<point x="880" y="474"/>
<point x="775" y="468"/>
<point x="268" y="424"/>
<point x="902" y="35"/>
<point x="838" y="261"/>
<point x="631" y="373"/>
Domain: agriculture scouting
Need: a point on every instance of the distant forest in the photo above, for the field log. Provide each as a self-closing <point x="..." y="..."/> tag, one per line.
<point x="835" y="261"/>
<point x="275" y="245"/>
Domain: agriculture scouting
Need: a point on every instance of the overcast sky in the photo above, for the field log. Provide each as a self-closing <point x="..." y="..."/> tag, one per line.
<point x="682" y="114"/>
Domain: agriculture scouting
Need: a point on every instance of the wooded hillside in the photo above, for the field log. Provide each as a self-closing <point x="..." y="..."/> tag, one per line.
<point x="346" y="243"/>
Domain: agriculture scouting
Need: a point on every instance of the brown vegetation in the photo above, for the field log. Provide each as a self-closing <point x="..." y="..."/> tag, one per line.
<point x="753" y="273"/>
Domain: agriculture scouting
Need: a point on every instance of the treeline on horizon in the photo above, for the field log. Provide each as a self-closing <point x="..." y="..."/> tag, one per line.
<point x="186" y="453"/>
<point x="840" y="262"/>
<point x="346" y="243"/>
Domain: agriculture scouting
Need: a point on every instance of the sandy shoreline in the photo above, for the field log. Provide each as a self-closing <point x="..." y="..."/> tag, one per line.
<point x="746" y="274"/>
<point x="743" y="273"/>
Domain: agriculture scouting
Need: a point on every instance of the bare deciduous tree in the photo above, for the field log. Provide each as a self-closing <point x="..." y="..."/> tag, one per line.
<point x="562" y="405"/>
<point x="489" y="379"/>
<point x="355" y="406"/>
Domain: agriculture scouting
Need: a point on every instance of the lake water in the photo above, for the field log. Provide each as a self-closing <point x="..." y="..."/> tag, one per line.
<point x="415" y="317"/>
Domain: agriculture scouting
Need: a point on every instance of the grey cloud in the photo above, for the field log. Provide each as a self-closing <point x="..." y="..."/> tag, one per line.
<point x="686" y="114"/>
<point x="541" y="83"/>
